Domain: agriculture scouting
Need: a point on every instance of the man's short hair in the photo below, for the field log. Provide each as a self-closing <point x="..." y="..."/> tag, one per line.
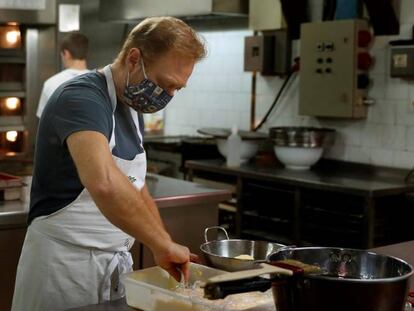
<point x="77" y="44"/>
<point x="155" y="36"/>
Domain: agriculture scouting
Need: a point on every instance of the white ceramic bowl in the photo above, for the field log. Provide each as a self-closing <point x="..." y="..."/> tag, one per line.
<point x="248" y="148"/>
<point x="298" y="158"/>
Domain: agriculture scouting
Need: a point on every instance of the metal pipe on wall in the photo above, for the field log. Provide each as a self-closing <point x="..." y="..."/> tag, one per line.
<point x="253" y="102"/>
<point x="253" y="97"/>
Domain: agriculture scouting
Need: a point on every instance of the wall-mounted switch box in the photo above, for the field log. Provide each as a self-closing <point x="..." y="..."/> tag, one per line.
<point x="258" y="53"/>
<point x="402" y="60"/>
<point x="333" y="72"/>
<point x="269" y="53"/>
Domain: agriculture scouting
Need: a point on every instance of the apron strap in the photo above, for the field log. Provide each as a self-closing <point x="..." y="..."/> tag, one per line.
<point x="134" y="115"/>
<point x="112" y="95"/>
<point x="120" y="264"/>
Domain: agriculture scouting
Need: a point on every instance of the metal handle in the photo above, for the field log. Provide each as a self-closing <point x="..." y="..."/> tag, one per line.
<point x="214" y="227"/>
<point x="368" y="101"/>
<point x="222" y="289"/>
<point x="286" y="247"/>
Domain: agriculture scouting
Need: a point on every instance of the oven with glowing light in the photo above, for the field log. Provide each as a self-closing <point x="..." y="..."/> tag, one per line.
<point x="13" y="134"/>
<point x="11" y="106"/>
<point x="10" y="36"/>
<point x="29" y="55"/>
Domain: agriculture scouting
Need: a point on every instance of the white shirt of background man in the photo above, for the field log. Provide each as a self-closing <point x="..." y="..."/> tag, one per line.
<point x="53" y="83"/>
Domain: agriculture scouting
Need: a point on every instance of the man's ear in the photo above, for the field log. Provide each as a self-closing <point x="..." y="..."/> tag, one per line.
<point x="133" y="58"/>
<point x="66" y="54"/>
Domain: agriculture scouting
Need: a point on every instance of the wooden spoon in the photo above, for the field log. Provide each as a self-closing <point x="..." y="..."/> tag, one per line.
<point x="264" y="268"/>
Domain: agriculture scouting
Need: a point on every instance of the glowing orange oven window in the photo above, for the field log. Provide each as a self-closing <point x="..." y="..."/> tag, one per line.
<point x="12" y="142"/>
<point x="11" y="106"/>
<point x="10" y="37"/>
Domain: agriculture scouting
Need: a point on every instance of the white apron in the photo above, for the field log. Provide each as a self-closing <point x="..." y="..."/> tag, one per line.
<point x="74" y="256"/>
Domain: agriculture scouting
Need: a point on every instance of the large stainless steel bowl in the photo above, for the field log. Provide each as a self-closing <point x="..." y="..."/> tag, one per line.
<point x="221" y="254"/>
<point x="350" y="279"/>
<point x="300" y="136"/>
<point x="300" y="147"/>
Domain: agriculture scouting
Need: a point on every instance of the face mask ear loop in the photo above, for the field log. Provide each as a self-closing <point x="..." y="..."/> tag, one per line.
<point x="143" y="69"/>
<point x="127" y="81"/>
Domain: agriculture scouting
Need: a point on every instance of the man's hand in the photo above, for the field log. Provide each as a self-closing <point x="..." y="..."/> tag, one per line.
<point x="194" y="258"/>
<point x="174" y="258"/>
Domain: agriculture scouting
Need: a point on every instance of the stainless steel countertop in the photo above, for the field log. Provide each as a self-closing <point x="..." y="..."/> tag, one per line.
<point x="327" y="175"/>
<point x="167" y="192"/>
<point x="13" y="213"/>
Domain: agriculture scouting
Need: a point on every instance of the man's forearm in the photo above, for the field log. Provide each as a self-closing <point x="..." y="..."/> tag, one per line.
<point x="126" y="208"/>
<point x="118" y="200"/>
<point x="151" y="204"/>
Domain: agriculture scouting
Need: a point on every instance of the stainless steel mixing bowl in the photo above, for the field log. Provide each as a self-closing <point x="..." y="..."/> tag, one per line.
<point x="350" y="279"/>
<point x="221" y="254"/>
<point x="300" y="136"/>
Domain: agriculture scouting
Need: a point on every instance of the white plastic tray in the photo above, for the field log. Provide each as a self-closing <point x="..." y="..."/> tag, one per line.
<point x="153" y="289"/>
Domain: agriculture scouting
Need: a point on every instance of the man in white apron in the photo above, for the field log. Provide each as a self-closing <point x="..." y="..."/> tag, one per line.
<point x="73" y="53"/>
<point x="88" y="199"/>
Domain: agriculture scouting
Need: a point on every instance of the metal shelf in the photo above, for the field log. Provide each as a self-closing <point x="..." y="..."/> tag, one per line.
<point x="12" y="87"/>
<point x="276" y="220"/>
<point x="12" y="59"/>
<point x="16" y="53"/>
<point x="20" y="94"/>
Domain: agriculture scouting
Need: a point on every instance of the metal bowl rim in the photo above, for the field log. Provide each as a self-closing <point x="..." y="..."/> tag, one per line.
<point x="302" y="129"/>
<point x="385" y="280"/>
<point x="295" y="145"/>
<point x="244" y="134"/>
<point x="202" y="246"/>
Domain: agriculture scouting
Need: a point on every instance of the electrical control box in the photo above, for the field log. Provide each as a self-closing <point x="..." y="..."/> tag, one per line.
<point x="402" y="60"/>
<point x="335" y="61"/>
<point x="269" y="53"/>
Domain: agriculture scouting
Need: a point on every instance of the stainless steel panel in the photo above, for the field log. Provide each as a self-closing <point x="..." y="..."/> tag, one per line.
<point x="265" y="15"/>
<point x="130" y="10"/>
<point x="230" y="7"/>
<point x="186" y="226"/>
<point x="41" y="63"/>
<point x="32" y="17"/>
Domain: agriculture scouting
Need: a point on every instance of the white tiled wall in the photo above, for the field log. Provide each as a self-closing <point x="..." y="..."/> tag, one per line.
<point x="218" y="95"/>
<point x="218" y="92"/>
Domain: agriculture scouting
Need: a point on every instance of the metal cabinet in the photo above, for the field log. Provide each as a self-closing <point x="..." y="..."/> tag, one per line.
<point x="11" y="242"/>
<point x="185" y="225"/>
<point x="282" y="209"/>
<point x="289" y="214"/>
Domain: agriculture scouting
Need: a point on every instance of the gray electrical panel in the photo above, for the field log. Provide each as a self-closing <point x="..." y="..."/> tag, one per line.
<point x="334" y="65"/>
<point x="402" y="61"/>
<point x="269" y="53"/>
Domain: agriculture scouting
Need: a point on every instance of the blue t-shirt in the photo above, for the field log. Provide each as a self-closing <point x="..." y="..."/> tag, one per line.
<point x="81" y="104"/>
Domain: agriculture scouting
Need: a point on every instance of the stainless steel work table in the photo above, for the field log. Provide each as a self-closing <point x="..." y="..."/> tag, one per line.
<point x="186" y="209"/>
<point x="167" y="192"/>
